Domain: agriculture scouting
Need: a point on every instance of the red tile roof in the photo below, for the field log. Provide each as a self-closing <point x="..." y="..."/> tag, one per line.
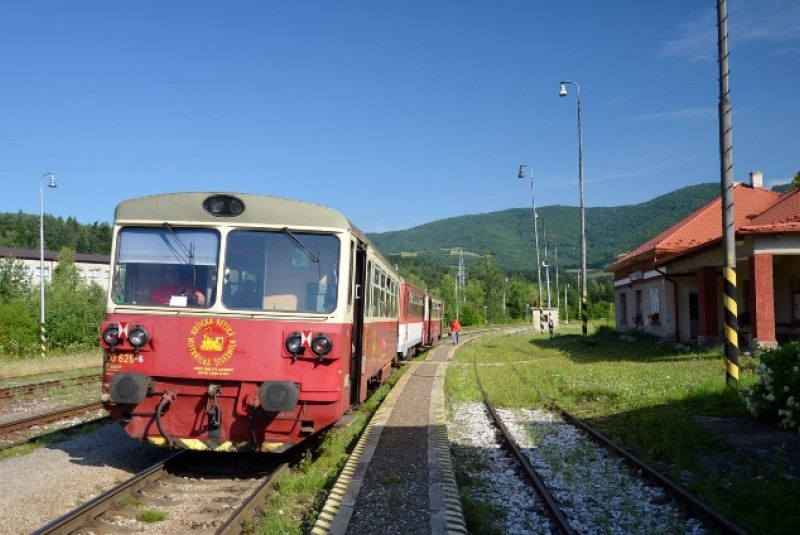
<point x="783" y="216"/>
<point x="703" y="226"/>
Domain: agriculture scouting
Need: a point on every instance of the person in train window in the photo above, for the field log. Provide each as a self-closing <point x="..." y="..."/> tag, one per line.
<point x="175" y="288"/>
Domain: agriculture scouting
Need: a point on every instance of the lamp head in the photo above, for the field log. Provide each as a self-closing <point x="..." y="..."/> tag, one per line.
<point x="563" y="91"/>
<point x="52" y="183"/>
<point x="522" y="171"/>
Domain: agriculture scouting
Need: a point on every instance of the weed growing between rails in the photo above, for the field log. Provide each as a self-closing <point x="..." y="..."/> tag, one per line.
<point x="642" y="395"/>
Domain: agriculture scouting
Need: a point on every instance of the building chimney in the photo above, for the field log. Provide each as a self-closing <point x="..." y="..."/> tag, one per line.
<point x="756" y="179"/>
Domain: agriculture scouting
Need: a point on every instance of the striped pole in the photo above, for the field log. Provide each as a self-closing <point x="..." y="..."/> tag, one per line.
<point x="42" y="340"/>
<point x="728" y="221"/>
<point x="584" y="315"/>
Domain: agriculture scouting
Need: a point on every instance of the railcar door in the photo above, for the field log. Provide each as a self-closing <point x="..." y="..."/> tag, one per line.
<point x="359" y="285"/>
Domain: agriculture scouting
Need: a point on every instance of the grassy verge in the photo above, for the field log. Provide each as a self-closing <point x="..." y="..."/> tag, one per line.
<point x="644" y="397"/>
<point x="15" y="370"/>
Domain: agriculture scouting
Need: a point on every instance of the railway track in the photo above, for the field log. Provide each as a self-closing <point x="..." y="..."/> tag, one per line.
<point x="27" y="389"/>
<point x="35" y="398"/>
<point x="189" y="491"/>
<point x="555" y="492"/>
<point x="24" y="427"/>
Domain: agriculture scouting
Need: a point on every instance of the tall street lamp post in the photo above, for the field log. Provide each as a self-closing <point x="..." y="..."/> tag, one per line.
<point x="546" y="266"/>
<point x="584" y="301"/>
<point x="535" y="231"/>
<point x="42" y="332"/>
<point x="504" y="299"/>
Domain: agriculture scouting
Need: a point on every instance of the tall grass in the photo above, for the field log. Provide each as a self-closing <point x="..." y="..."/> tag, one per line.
<point x="55" y="362"/>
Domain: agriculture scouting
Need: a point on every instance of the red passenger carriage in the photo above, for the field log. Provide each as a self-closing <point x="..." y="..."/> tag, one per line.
<point x="434" y="319"/>
<point x="283" y="316"/>
<point x="410" y="335"/>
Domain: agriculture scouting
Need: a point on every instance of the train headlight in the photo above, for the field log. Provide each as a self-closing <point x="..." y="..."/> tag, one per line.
<point x="224" y="206"/>
<point x="111" y="335"/>
<point x="321" y="345"/>
<point x="294" y="344"/>
<point x="138" y="337"/>
<point x="236" y="206"/>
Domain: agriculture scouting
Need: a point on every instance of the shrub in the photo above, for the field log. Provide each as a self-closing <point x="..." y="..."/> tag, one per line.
<point x="775" y="397"/>
<point x="19" y="328"/>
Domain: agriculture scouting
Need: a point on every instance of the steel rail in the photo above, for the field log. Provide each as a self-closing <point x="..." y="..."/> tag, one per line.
<point x="31" y="388"/>
<point x="550" y="501"/>
<point x="233" y="526"/>
<point x="90" y="510"/>
<point x="692" y="502"/>
<point x="42" y="419"/>
<point x="36" y="438"/>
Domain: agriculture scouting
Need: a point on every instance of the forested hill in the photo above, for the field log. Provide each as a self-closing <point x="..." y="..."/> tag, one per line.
<point x="508" y="235"/>
<point x="22" y="231"/>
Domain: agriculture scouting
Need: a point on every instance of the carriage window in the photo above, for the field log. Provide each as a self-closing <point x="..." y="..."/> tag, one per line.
<point x="281" y="271"/>
<point x="165" y="266"/>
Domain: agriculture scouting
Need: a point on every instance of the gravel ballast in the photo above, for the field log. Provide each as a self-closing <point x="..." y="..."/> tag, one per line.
<point x="597" y="491"/>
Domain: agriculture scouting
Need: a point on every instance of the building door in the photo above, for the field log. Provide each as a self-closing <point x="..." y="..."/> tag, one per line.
<point x="694" y="315"/>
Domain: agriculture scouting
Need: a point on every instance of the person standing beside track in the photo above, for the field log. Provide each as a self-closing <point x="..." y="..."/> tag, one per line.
<point x="455" y="328"/>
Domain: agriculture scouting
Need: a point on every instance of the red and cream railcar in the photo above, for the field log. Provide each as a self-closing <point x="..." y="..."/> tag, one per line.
<point x="284" y="314"/>
<point x="410" y="327"/>
<point x="434" y="319"/>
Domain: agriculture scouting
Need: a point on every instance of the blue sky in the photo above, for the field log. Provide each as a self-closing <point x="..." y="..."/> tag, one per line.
<point x="394" y="113"/>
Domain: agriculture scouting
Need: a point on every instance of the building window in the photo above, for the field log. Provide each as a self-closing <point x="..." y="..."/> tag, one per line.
<point x="637" y="318"/>
<point x="46" y="273"/>
<point x="655" y="304"/>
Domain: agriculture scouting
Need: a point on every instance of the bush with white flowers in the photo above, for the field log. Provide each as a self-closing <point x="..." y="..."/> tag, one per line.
<point x="775" y="396"/>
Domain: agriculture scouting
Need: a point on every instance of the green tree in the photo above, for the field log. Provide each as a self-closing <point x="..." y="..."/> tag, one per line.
<point x="74" y="309"/>
<point x="795" y="182"/>
<point x="15" y="283"/>
<point x="19" y="327"/>
<point x="19" y="323"/>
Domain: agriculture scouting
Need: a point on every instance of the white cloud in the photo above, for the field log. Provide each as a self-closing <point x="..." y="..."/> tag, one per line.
<point x="749" y="21"/>
<point x="690" y="113"/>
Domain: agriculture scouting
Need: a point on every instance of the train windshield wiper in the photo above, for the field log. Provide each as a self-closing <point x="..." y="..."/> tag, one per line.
<point x="314" y="258"/>
<point x="188" y="251"/>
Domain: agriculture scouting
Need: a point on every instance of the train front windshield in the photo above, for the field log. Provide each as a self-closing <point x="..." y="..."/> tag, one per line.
<point x="166" y="266"/>
<point x="280" y="271"/>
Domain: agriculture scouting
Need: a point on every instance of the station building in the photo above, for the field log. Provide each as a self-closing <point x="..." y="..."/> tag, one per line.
<point x="92" y="268"/>
<point x="672" y="285"/>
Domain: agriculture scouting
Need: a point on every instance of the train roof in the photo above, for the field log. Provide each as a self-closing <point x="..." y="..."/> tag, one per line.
<point x="259" y="210"/>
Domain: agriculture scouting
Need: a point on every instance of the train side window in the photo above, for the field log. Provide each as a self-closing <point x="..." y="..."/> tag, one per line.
<point x="368" y="291"/>
<point x="350" y="278"/>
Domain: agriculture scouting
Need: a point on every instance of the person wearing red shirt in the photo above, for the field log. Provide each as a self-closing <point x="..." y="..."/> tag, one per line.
<point x="173" y="287"/>
<point x="455" y="328"/>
